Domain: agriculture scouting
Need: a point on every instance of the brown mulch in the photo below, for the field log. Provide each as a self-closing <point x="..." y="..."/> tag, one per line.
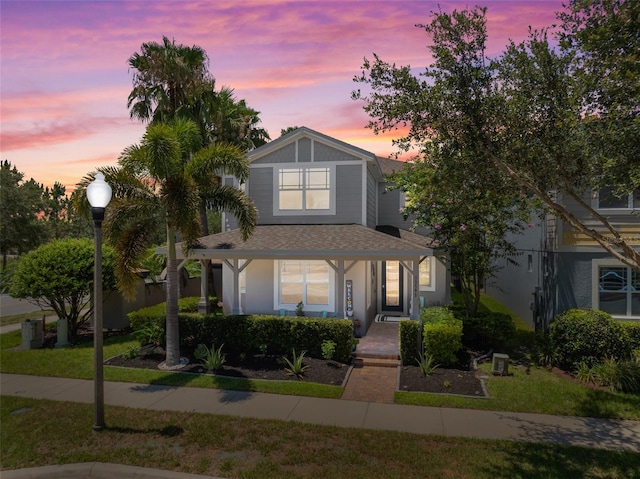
<point x="442" y="380"/>
<point x="254" y="367"/>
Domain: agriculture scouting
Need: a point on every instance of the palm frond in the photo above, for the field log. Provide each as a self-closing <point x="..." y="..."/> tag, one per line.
<point x="228" y="198"/>
<point x="222" y="158"/>
<point x="163" y="153"/>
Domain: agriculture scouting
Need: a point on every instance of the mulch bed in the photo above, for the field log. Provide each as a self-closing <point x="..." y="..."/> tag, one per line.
<point x="443" y="380"/>
<point x="458" y="379"/>
<point x="251" y="367"/>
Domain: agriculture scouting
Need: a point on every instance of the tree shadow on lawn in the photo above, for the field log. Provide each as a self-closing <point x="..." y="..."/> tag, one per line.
<point x="548" y="461"/>
<point x="606" y="404"/>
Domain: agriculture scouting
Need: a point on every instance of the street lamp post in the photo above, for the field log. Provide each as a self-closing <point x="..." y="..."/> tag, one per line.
<point x="99" y="195"/>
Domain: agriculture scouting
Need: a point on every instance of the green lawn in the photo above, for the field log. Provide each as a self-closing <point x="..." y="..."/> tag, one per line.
<point x="39" y="432"/>
<point x="534" y="390"/>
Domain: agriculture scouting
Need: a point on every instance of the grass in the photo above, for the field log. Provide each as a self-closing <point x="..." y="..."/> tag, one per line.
<point x="40" y="432"/>
<point x="535" y="390"/>
<point x="77" y="362"/>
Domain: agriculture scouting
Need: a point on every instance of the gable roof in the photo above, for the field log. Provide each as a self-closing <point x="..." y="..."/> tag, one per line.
<point x="349" y="242"/>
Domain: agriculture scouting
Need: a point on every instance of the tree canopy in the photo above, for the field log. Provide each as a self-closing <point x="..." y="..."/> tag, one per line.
<point x="553" y="121"/>
<point x="59" y="276"/>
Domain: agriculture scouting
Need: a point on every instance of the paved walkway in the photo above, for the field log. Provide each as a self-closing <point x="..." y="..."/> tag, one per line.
<point x="588" y="432"/>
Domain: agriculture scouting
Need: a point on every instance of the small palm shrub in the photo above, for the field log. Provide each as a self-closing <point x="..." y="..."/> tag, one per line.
<point x="295" y="366"/>
<point x="212" y="358"/>
<point x="131" y="352"/>
<point x="427" y="364"/>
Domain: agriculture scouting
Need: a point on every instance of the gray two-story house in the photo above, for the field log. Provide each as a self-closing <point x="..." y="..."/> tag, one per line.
<point x="560" y="268"/>
<point x="330" y="236"/>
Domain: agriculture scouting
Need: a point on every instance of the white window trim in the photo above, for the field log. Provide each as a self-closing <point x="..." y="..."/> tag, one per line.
<point x="277" y="304"/>
<point x="276" y="189"/>
<point x="432" y="284"/>
<point x="623" y="210"/>
<point x="595" y="296"/>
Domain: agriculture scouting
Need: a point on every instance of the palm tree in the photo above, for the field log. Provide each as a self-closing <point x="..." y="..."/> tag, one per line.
<point x="160" y="185"/>
<point x="165" y="77"/>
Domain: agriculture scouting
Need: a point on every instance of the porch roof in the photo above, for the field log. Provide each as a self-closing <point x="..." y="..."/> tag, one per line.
<point x="350" y="241"/>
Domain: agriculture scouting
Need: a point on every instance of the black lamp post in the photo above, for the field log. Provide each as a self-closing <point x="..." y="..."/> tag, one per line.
<point x="99" y="195"/>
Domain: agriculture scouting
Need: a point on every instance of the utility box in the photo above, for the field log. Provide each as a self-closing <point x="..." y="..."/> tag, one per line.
<point x="32" y="334"/>
<point x="500" y="364"/>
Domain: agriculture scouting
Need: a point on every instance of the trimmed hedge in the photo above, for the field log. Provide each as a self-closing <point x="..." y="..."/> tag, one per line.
<point x="442" y="335"/>
<point x="588" y="335"/>
<point x="251" y="334"/>
<point x="409" y="341"/>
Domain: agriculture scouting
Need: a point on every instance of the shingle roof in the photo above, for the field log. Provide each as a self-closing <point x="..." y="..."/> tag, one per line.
<point x="313" y="241"/>
<point x="389" y="166"/>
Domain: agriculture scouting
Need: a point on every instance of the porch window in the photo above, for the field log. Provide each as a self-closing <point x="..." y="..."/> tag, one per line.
<point x="304" y="189"/>
<point x="618" y="290"/>
<point x="306" y="281"/>
<point x="426" y="276"/>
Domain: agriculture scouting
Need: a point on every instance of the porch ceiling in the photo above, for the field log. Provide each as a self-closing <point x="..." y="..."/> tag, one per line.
<point x="354" y="242"/>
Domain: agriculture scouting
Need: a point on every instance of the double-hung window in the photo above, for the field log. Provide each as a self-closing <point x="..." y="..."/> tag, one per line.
<point x="617" y="289"/>
<point x="308" y="282"/>
<point x="608" y="200"/>
<point x="304" y="189"/>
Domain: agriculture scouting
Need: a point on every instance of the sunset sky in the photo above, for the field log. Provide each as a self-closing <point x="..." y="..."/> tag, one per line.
<point x="64" y="78"/>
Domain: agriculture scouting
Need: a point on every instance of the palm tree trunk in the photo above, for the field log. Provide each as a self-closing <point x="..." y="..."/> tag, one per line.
<point x="173" y="331"/>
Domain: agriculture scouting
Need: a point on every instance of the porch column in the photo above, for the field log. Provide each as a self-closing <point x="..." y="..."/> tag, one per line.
<point x="235" y="303"/>
<point x="415" y="290"/>
<point x="340" y="289"/>
<point x="203" y="304"/>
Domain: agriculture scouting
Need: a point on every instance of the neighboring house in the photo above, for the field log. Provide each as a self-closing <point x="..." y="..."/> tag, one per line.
<point x="560" y="268"/>
<point x="330" y="234"/>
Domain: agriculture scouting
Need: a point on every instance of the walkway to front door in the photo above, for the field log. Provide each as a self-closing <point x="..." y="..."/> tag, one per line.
<point x="374" y="376"/>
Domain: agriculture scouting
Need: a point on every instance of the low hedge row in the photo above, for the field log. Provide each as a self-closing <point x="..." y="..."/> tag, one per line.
<point x="251" y="334"/>
<point x="442" y="335"/>
<point x="633" y="330"/>
<point x="410" y="343"/>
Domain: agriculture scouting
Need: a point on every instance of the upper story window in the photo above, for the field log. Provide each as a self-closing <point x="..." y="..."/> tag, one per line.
<point x="608" y="200"/>
<point x="305" y="189"/>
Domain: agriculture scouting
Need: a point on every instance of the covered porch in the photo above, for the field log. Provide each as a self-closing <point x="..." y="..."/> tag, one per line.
<point x="353" y="254"/>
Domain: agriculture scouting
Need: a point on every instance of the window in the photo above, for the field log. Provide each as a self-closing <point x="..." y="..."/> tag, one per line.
<point x="426" y="276"/>
<point x="618" y="290"/>
<point x="306" y="281"/>
<point x="607" y="199"/>
<point x="304" y="189"/>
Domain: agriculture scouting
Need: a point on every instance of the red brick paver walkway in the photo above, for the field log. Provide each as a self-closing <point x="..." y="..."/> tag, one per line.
<point x="371" y="384"/>
<point x="369" y="381"/>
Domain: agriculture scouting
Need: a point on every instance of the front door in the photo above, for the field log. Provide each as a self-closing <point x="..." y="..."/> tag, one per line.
<point x="392" y="292"/>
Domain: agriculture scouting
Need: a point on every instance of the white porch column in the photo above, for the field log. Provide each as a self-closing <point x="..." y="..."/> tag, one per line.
<point x="415" y="299"/>
<point x="340" y="289"/>
<point x="203" y="304"/>
<point x="235" y="303"/>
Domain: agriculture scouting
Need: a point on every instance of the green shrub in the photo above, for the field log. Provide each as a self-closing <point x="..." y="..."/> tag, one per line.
<point x="328" y="349"/>
<point x="143" y="317"/>
<point x="151" y="333"/>
<point x="487" y="330"/>
<point x="620" y="375"/>
<point x="410" y="343"/>
<point x="633" y="330"/>
<point x="442" y="335"/>
<point x="588" y="335"/>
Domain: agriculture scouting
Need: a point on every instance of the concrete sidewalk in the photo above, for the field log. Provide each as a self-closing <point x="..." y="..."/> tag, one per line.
<point x="588" y="432"/>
